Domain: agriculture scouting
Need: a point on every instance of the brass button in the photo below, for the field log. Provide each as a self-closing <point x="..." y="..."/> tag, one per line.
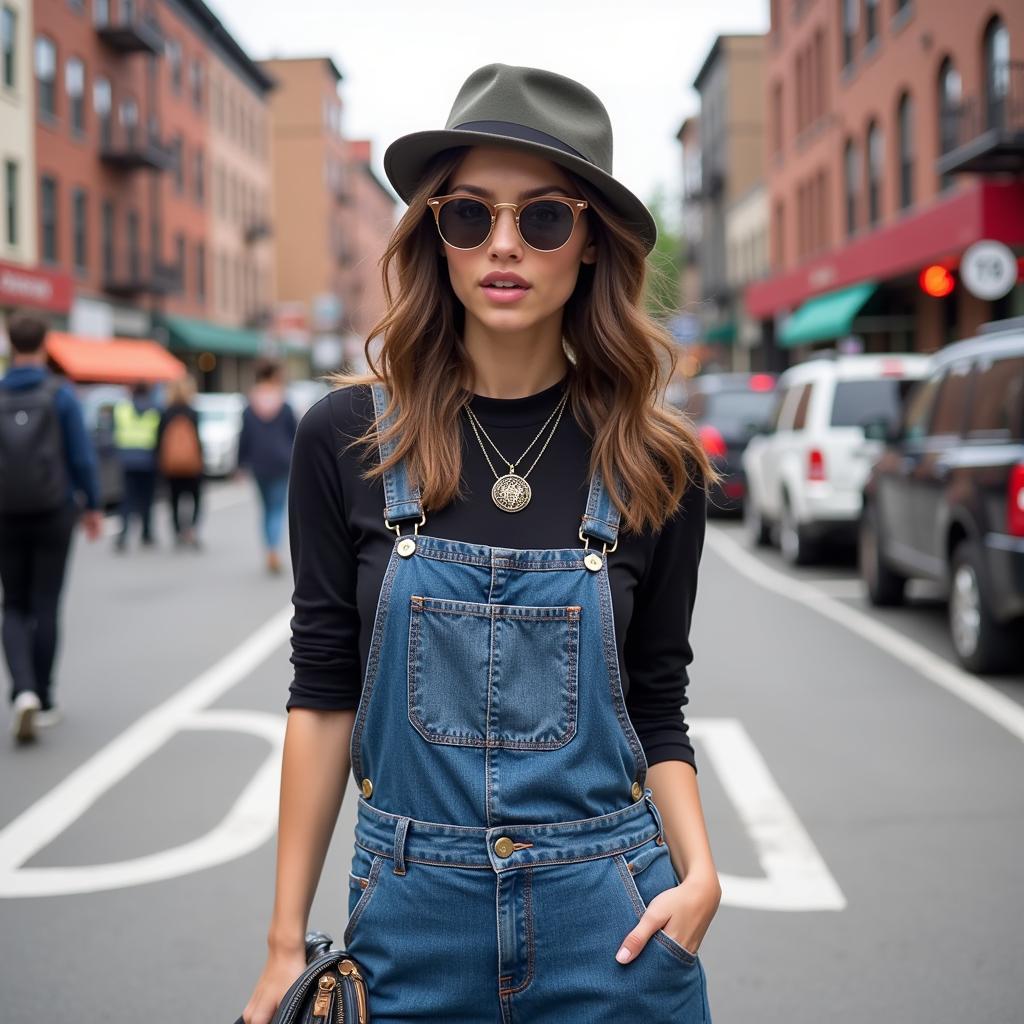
<point x="504" y="847"/>
<point x="658" y="840"/>
<point x="630" y="866"/>
<point x="592" y="561"/>
<point x="363" y="883"/>
<point x="637" y="791"/>
<point x="406" y="546"/>
<point x="367" y="788"/>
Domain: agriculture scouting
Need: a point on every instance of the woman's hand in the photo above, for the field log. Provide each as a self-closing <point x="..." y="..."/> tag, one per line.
<point x="280" y="970"/>
<point x="684" y="912"/>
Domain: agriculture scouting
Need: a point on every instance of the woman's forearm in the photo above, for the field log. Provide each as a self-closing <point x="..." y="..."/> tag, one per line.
<point x="673" y="785"/>
<point x="315" y="766"/>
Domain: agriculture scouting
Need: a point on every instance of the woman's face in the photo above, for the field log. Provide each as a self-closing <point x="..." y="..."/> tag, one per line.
<point x="505" y="175"/>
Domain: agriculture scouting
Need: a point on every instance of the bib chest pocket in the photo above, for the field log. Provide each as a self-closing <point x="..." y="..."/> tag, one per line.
<point x="493" y="675"/>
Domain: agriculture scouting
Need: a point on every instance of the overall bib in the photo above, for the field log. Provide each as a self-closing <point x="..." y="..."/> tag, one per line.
<point x="505" y="843"/>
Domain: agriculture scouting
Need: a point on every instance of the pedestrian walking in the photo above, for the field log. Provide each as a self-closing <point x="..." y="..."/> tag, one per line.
<point x="180" y="458"/>
<point x="495" y="537"/>
<point x="265" y="450"/>
<point x="136" y="423"/>
<point x="47" y="463"/>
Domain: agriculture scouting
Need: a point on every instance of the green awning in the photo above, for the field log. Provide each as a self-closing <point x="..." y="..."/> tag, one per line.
<point x="826" y="316"/>
<point x="202" y="336"/>
<point x="723" y="333"/>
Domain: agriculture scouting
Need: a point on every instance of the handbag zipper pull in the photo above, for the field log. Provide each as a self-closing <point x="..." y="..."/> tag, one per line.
<point x="323" y="999"/>
<point x="348" y="967"/>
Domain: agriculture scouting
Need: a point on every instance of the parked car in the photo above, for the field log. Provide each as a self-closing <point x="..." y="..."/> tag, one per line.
<point x="945" y="502"/>
<point x="728" y="409"/>
<point x="98" y="401"/>
<point x="220" y="423"/>
<point x="806" y="472"/>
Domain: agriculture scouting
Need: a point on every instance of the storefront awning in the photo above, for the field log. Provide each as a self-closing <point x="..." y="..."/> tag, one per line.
<point x="112" y="360"/>
<point x="825" y="316"/>
<point x="723" y="333"/>
<point x="191" y="335"/>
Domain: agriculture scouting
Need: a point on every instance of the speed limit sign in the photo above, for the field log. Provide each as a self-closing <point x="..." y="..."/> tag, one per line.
<point x="988" y="269"/>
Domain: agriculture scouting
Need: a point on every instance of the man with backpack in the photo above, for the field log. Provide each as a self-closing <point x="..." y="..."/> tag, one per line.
<point x="180" y="457"/>
<point x="46" y="461"/>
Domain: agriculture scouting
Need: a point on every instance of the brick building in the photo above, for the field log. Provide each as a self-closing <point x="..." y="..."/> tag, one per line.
<point x="895" y="139"/>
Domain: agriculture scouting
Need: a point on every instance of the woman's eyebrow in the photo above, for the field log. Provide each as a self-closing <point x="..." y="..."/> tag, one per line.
<point x="544" y="190"/>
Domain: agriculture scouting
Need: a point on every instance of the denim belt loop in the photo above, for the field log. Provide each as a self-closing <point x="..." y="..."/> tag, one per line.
<point x="649" y="798"/>
<point x="400" y="832"/>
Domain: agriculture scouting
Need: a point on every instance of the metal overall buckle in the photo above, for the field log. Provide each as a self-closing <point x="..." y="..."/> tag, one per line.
<point x="397" y="527"/>
<point x="592" y="560"/>
<point x="406" y="545"/>
<point x="605" y="550"/>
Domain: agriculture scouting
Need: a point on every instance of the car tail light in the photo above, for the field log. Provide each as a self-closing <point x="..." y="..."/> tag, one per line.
<point x="714" y="443"/>
<point x="761" y="382"/>
<point x="815" y="464"/>
<point x="1015" y="501"/>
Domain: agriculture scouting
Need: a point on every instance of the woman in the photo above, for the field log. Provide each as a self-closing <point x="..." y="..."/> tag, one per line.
<point x="180" y="456"/>
<point x="265" y="448"/>
<point x="497" y="649"/>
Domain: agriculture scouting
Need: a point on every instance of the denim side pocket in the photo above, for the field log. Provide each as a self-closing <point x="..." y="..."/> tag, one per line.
<point x="495" y="675"/>
<point x="363" y="877"/>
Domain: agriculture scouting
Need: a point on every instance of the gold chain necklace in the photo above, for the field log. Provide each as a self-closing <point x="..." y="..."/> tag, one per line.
<point x="511" y="492"/>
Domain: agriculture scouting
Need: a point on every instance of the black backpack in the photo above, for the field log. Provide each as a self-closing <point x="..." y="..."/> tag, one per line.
<point x="33" y="464"/>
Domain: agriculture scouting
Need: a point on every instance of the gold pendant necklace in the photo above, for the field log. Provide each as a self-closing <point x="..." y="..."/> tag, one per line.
<point x="510" y="491"/>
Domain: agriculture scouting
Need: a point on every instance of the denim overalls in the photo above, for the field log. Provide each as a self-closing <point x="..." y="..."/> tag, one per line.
<point x="504" y="841"/>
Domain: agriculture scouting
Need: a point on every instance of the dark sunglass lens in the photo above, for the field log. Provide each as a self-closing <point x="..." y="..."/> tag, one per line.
<point x="464" y="223"/>
<point x="546" y="224"/>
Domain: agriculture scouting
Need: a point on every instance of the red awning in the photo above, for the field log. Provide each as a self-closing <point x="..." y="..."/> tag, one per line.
<point x="113" y="360"/>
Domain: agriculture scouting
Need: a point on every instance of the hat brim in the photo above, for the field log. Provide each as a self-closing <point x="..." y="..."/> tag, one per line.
<point x="406" y="158"/>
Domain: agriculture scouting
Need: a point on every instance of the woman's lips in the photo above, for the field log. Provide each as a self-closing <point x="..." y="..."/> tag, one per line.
<point x="503" y="295"/>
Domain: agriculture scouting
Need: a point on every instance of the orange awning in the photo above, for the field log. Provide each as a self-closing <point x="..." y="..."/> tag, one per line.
<point x="113" y="360"/>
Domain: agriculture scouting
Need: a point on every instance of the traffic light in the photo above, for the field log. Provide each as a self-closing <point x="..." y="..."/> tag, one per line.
<point x="936" y="281"/>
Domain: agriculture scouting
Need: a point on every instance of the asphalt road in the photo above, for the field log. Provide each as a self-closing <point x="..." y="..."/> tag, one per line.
<point x="863" y="797"/>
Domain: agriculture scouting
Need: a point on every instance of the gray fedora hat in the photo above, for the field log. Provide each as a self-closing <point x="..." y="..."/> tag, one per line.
<point x="528" y="109"/>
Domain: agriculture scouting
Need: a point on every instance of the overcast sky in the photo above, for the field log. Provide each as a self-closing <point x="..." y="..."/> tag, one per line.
<point x="404" y="60"/>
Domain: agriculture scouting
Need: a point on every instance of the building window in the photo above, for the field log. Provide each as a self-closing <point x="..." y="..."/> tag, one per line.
<point x="48" y="216"/>
<point x="197" y="85"/>
<point x="851" y="170"/>
<point x="179" y="261"/>
<point x="200" y="262"/>
<point x="8" y="45"/>
<point x="950" y="90"/>
<point x="134" y="252"/>
<point x="876" y="168"/>
<point x="107" y="239"/>
<point x="11" y="232"/>
<point x="128" y="114"/>
<point x="172" y="51"/>
<point x="101" y="104"/>
<point x="178" y="146"/>
<point x="199" y="177"/>
<point x="850" y="22"/>
<point x="46" y="76"/>
<point x="74" y="85"/>
<point x="870" y="22"/>
<point x="997" y="73"/>
<point x="905" y="130"/>
<point x="778" y="236"/>
<point x="79" y="237"/>
<point x="101" y="12"/>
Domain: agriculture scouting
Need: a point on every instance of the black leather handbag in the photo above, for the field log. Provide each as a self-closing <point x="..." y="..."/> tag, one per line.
<point x="331" y="990"/>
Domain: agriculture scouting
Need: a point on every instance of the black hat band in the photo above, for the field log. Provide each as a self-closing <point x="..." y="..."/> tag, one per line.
<point x="519" y="131"/>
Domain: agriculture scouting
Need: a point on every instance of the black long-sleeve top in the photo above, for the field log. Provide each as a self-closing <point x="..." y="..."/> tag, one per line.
<point x="340" y="549"/>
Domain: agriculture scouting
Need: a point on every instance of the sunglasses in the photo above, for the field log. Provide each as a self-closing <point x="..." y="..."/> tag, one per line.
<point x="545" y="223"/>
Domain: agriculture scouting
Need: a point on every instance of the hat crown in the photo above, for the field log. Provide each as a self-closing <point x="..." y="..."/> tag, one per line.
<point x="540" y="100"/>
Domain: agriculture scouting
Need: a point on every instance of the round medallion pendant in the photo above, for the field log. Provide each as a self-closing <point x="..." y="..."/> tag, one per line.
<point x="511" y="493"/>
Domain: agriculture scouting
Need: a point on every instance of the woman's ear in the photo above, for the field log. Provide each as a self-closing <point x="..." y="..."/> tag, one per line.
<point x="589" y="254"/>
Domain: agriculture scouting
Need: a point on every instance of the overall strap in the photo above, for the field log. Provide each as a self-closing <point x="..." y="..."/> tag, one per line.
<point x="601" y="519"/>
<point x="401" y="499"/>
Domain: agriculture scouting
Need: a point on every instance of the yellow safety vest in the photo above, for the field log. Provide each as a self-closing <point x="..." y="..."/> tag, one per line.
<point x="133" y="429"/>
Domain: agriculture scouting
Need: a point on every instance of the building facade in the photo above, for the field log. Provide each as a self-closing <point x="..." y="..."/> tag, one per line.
<point x="895" y="139"/>
<point x="17" y="143"/>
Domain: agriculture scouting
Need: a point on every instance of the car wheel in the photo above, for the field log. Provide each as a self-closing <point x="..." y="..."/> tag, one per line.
<point x="758" y="534"/>
<point x="795" y="545"/>
<point x="884" y="586"/>
<point x="981" y="643"/>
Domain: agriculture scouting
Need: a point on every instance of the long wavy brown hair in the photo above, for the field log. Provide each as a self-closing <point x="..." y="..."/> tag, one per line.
<point x="621" y="360"/>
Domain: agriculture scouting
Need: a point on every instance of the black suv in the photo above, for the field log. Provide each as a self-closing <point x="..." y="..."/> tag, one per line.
<point x="945" y="501"/>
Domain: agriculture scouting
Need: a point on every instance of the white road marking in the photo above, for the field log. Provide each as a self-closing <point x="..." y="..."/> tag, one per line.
<point x="249" y="822"/>
<point x="969" y="688"/>
<point x="795" y="875"/>
<point x="842" y="590"/>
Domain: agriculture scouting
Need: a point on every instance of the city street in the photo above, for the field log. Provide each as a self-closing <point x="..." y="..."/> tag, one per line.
<point x="862" y="793"/>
